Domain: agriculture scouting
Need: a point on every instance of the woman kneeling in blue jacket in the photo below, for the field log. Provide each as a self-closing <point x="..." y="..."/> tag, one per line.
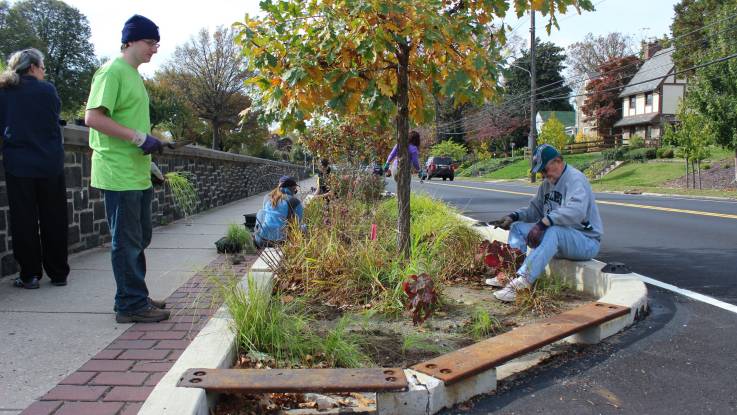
<point x="280" y="206"/>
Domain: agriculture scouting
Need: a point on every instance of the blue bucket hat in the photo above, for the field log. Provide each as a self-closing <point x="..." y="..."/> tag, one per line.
<point x="138" y="28"/>
<point x="543" y="154"/>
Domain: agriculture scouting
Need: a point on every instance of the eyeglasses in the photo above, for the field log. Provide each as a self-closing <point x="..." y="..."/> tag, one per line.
<point x="152" y="43"/>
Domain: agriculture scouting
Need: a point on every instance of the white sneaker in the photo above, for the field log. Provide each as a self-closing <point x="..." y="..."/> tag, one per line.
<point x="494" y="282"/>
<point x="509" y="293"/>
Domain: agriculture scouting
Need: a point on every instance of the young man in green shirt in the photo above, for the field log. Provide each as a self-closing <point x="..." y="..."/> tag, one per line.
<point x="118" y="117"/>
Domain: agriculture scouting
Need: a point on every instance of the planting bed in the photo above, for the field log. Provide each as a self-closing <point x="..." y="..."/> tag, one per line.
<point x="341" y="297"/>
<point x="395" y="342"/>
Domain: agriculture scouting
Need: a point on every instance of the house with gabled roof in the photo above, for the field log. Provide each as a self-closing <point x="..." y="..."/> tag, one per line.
<point x="651" y="98"/>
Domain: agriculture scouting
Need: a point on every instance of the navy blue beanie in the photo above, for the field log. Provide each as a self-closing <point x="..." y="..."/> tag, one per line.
<point x="138" y="28"/>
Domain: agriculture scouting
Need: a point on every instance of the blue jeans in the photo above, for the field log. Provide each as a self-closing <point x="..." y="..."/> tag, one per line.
<point x="558" y="241"/>
<point x="129" y="217"/>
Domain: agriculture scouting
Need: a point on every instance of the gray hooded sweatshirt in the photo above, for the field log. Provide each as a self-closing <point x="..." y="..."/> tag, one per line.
<point x="569" y="202"/>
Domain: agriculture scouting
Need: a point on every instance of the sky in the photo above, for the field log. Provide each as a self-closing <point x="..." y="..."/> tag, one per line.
<point x="179" y="20"/>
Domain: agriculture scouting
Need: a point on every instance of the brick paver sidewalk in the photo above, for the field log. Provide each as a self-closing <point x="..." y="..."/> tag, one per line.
<point x="120" y="377"/>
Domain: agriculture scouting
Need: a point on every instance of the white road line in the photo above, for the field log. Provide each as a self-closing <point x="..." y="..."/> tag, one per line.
<point x="688" y="293"/>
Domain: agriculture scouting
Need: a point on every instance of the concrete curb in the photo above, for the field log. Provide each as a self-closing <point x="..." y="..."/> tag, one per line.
<point x="214" y="346"/>
<point x="428" y="395"/>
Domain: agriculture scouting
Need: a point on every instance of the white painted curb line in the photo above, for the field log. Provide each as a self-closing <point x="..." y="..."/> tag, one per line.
<point x="214" y="346"/>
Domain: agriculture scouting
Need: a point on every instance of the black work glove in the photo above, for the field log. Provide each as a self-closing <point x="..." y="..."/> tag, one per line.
<point x="503" y="223"/>
<point x="535" y="236"/>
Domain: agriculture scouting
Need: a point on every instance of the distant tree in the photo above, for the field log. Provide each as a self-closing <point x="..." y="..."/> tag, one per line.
<point x="713" y="91"/>
<point x="209" y="72"/>
<point x="692" y="136"/>
<point x="500" y="126"/>
<point x="170" y="111"/>
<point x="62" y="33"/>
<point x="603" y="103"/>
<point x="449" y="148"/>
<point x="549" y="70"/>
<point x="690" y="38"/>
<point x="585" y="57"/>
<point x="348" y="139"/>
<point x="553" y="132"/>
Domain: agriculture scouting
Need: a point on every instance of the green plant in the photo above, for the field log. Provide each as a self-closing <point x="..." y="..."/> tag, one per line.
<point x="706" y="166"/>
<point x="241" y="238"/>
<point x="665" y="152"/>
<point x="640" y="154"/>
<point x="636" y="141"/>
<point x="450" y="149"/>
<point x="342" y="348"/>
<point x="265" y="325"/>
<point x="183" y="191"/>
<point x="553" y="132"/>
<point x="482" y="324"/>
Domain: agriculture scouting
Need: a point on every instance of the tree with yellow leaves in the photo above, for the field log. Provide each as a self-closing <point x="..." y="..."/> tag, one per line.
<point x="387" y="57"/>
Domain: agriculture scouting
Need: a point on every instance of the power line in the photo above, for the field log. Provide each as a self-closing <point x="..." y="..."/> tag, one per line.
<point x="674" y="74"/>
<point x="541" y="89"/>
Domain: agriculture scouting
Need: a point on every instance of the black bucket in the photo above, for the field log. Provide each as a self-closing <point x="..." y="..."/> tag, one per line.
<point x="250" y="221"/>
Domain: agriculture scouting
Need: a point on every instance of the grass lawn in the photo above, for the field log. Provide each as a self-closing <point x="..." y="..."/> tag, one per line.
<point x="649" y="178"/>
<point x="521" y="168"/>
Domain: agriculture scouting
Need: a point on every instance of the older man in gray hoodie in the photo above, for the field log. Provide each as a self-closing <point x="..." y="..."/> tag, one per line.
<point x="562" y="220"/>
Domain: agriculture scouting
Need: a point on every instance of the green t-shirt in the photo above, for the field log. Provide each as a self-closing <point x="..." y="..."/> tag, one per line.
<point x="118" y="164"/>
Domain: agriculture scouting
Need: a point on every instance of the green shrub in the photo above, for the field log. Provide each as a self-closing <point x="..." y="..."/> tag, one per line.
<point x="616" y="153"/>
<point x="183" y="191"/>
<point x="640" y="154"/>
<point x="665" y="152"/>
<point x="240" y="238"/>
<point x="636" y="141"/>
<point x="706" y="166"/>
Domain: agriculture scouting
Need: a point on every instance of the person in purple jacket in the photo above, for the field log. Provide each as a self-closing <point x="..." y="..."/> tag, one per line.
<point x="33" y="159"/>
<point x="414" y="155"/>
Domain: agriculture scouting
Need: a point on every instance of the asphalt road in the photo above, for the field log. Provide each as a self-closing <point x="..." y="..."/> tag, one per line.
<point x="682" y="358"/>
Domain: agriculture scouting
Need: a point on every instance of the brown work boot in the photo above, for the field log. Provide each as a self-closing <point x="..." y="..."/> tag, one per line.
<point x="150" y="314"/>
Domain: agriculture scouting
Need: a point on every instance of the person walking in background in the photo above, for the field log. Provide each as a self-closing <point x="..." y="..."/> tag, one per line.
<point x="323" y="174"/>
<point x="561" y="220"/>
<point x="280" y="206"/>
<point x="33" y="157"/>
<point x="118" y="117"/>
<point x="414" y="155"/>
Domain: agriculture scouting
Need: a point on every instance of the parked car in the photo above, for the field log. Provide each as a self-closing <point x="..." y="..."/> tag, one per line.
<point x="437" y="166"/>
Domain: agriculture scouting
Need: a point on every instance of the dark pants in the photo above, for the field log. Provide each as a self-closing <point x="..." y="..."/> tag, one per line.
<point x="129" y="217"/>
<point x="35" y="201"/>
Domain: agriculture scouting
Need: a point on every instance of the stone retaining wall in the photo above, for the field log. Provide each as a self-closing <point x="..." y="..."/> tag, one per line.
<point x="220" y="178"/>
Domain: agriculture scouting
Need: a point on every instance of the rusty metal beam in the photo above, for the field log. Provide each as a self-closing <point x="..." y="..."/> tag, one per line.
<point x="295" y="380"/>
<point x="468" y="361"/>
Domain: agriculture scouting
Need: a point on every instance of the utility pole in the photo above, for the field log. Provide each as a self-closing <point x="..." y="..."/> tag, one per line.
<point x="532" y="138"/>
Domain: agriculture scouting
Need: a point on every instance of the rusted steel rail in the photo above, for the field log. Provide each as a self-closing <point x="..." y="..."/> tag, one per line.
<point x="468" y="361"/>
<point x="295" y="380"/>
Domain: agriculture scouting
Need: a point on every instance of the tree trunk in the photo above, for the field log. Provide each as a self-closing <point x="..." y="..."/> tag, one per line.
<point x="215" y="136"/>
<point x="735" y="163"/>
<point x="687" y="176"/>
<point x="698" y="165"/>
<point x="693" y="174"/>
<point x="403" y="173"/>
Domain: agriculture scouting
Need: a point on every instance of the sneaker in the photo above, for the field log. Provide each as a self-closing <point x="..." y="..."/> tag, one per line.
<point x="158" y="304"/>
<point x="150" y="314"/>
<point x="32" y="284"/>
<point x="494" y="282"/>
<point x="59" y="283"/>
<point x="509" y="293"/>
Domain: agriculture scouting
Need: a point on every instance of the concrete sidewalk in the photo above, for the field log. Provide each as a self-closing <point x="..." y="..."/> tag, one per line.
<point x="50" y="332"/>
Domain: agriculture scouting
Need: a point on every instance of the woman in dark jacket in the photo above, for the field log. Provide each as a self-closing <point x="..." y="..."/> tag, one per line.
<point x="33" y="157"/>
